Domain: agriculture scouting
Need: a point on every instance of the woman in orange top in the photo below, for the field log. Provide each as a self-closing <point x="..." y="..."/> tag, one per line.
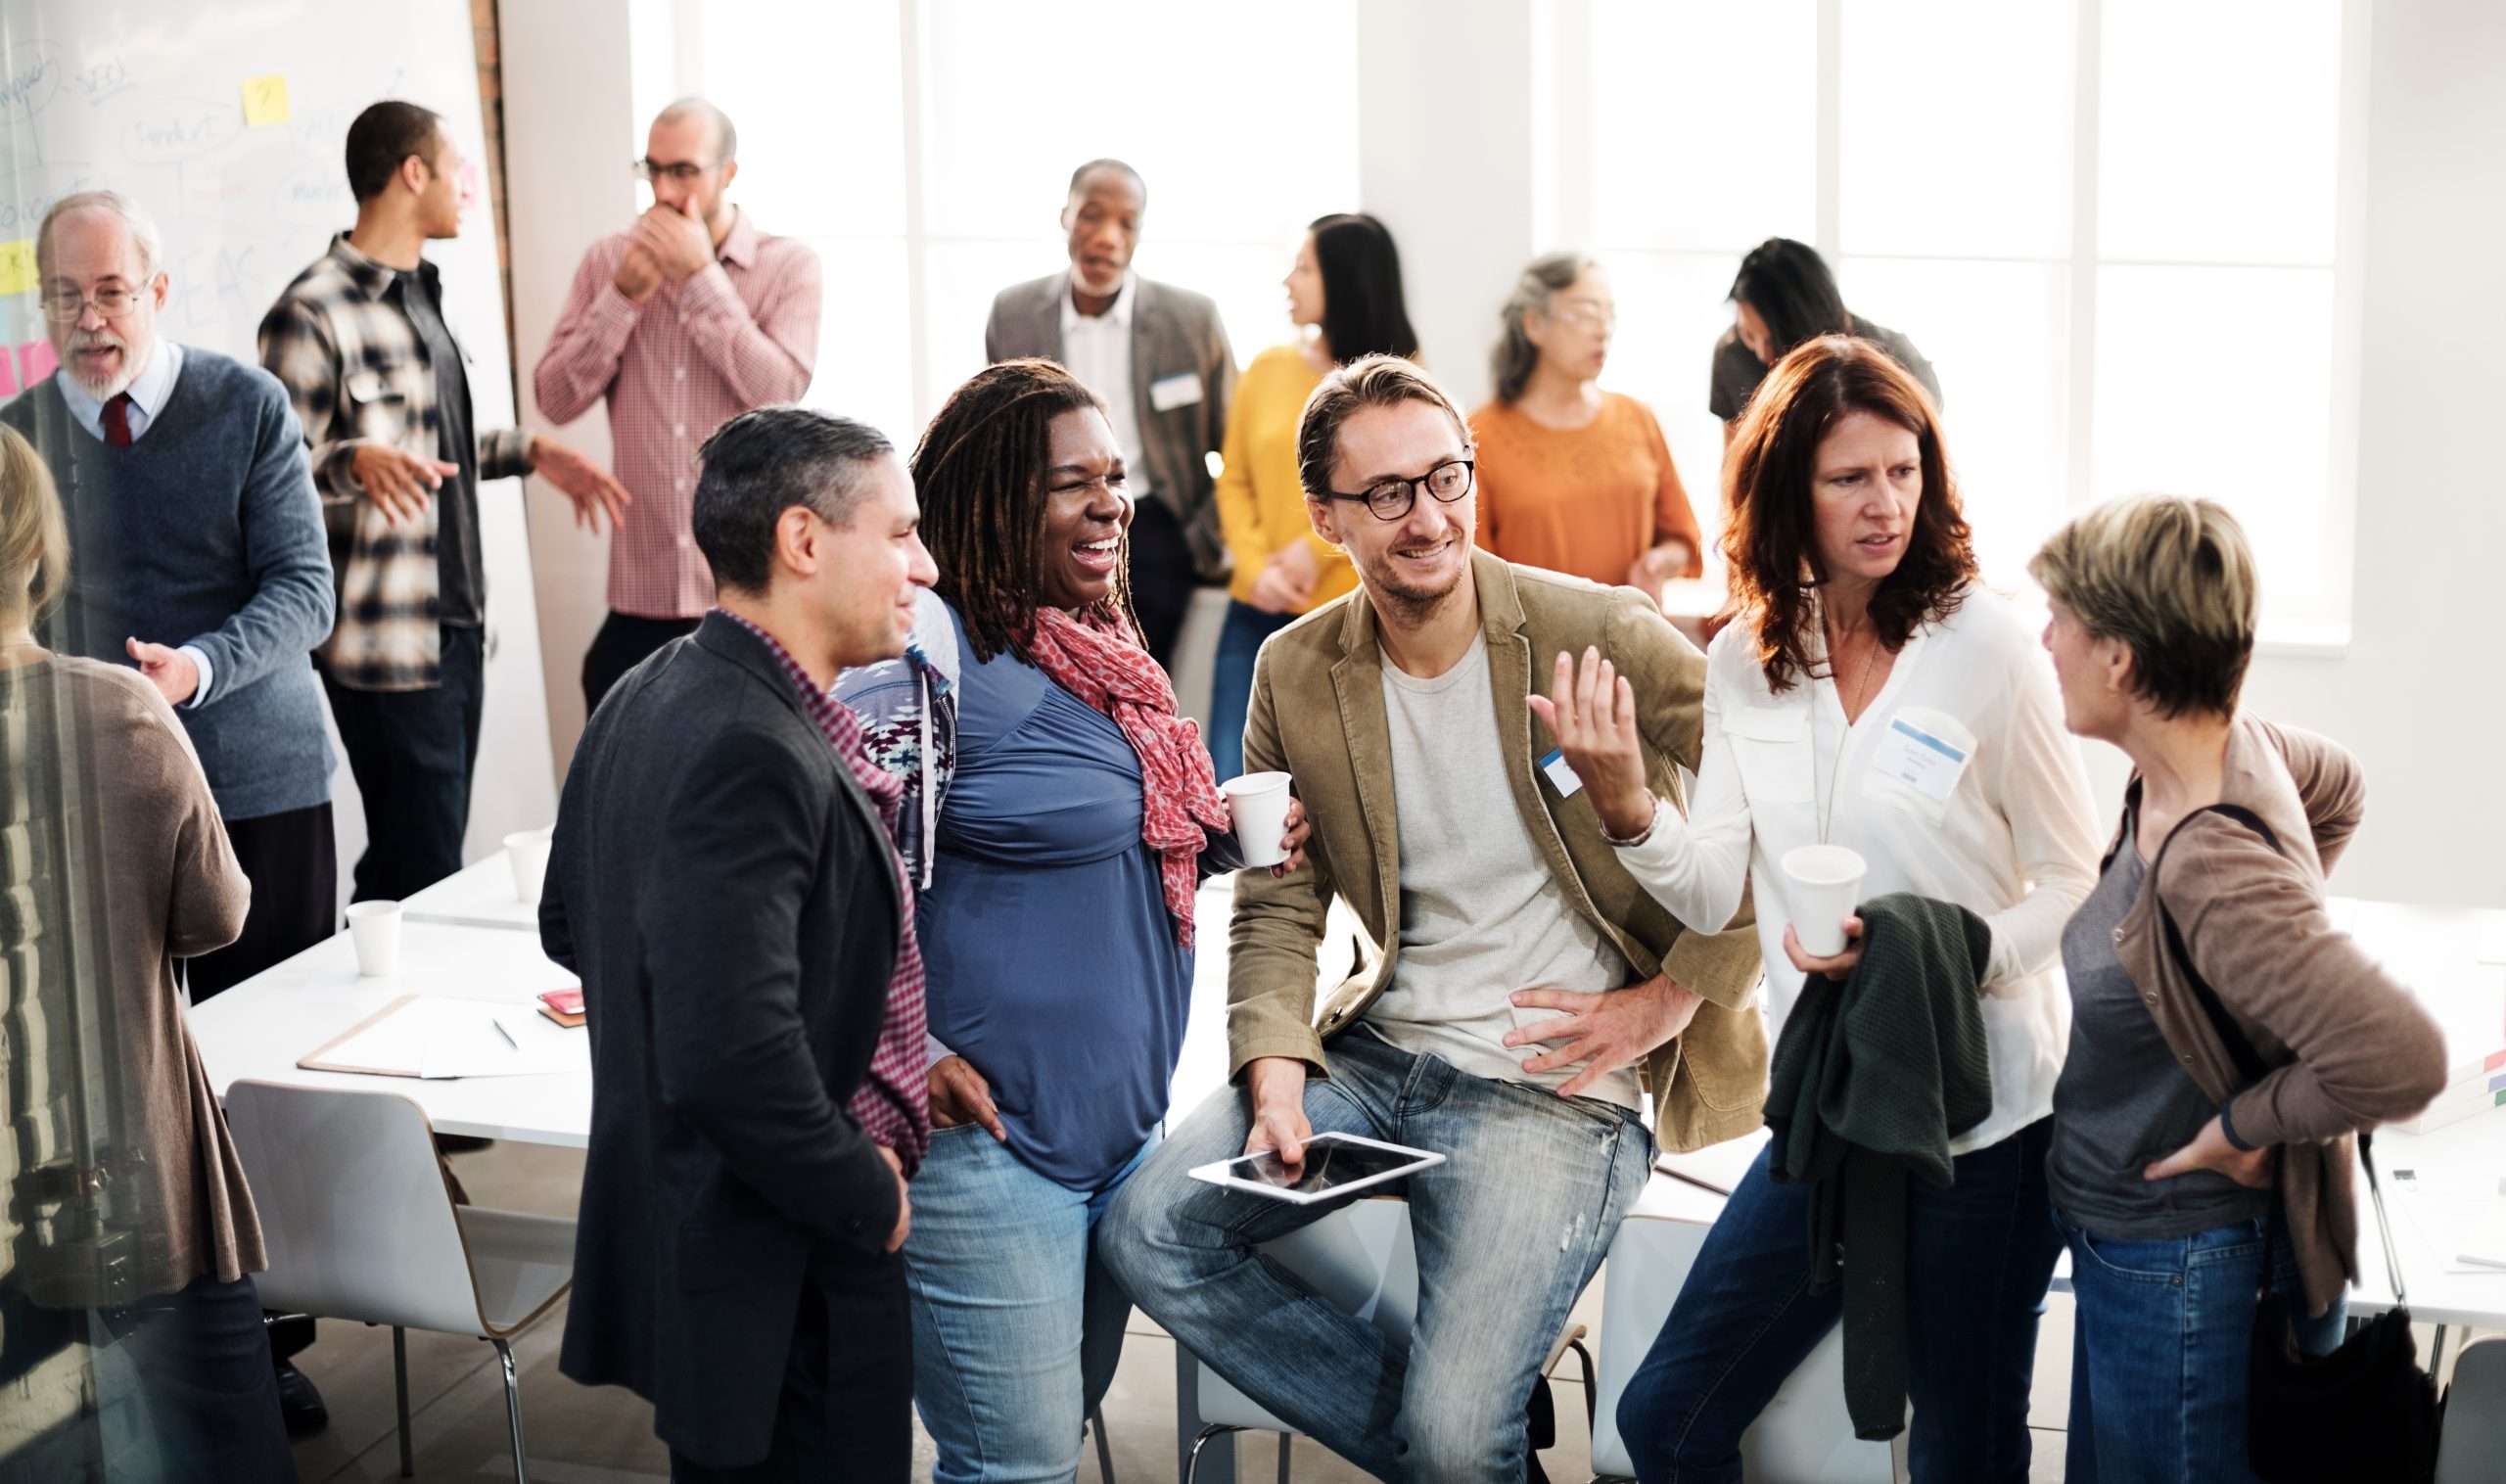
<point x="1573" y="477"/>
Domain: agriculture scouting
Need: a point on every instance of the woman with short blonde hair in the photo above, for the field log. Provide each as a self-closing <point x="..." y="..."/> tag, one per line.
<point x="2220" y="1026"/>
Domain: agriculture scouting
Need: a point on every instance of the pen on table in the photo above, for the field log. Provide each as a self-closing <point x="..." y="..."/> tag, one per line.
<point x="507" y="1035"/>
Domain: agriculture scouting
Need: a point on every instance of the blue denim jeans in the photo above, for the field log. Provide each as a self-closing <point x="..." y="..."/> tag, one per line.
<point x="1507" y="1230"/>
<point x="1978" y="1258"/>
<point x="1016" y="1326"/>
<point x="2160" y="1352"/>
<point x="1239" y="639"/>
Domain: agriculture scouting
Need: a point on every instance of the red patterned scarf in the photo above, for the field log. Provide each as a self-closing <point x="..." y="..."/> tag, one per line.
<point x="1100" y="660"/>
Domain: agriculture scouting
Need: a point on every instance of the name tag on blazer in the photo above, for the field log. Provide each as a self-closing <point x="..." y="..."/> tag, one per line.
<point x="1181" y="389"/>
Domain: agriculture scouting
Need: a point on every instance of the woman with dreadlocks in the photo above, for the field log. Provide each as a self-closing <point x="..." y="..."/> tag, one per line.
<point x="1059" y="818"/>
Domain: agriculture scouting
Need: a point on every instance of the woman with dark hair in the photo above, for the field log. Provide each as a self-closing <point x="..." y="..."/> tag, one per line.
<point x="2187" y="1174"/>
<point x="1058" y="817"/>
<point x="1572" y="478"/>
<point x="125" y="1223"/>
<point x="1345" y="289"/>
<point x="1783" y="296"/>
<point x="1871" y="694"/>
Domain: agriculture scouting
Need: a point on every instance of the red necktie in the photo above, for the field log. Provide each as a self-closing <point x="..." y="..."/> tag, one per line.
<point x="117" y="421"/>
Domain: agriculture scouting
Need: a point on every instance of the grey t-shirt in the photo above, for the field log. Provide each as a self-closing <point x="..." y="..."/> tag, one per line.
<point x="1482" y="913"/>
<point x="462" y="584"/>
<point x="1738" y="370"/>
<point x="2123" y="1100"/>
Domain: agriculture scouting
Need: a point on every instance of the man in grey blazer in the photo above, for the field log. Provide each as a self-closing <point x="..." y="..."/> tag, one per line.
<point x="1159" y="357"/>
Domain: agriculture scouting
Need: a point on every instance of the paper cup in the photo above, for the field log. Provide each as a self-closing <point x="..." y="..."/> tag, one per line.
<point x="528" y="853"/>
<point x="1826" y="883"/>
<point x="375" y="927"/>
<point x="1261" y="805"/>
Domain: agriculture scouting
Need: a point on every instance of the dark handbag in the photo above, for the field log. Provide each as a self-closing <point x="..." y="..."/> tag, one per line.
<point x="2364" y="1411"/>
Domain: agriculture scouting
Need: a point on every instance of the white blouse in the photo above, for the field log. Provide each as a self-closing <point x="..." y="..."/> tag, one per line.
<point x="2007" y="833"/>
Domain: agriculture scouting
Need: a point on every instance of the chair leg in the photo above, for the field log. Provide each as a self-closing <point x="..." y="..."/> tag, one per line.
<point x="401" y="1393"/>
<point x="1104" y="1450"/>
<point x="1201" y="1440"/>
<point x="1592" y="1397"/>
<point x="513" y="1408"/>
<point x="1287" y="1441"/>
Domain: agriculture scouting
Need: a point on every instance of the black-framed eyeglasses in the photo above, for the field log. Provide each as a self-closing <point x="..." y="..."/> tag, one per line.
<point x="1391" y="499"/>
<point x="684" y="171"/>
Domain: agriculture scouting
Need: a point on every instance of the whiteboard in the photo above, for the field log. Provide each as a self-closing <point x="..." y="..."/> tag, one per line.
<point x="227" y="121"/>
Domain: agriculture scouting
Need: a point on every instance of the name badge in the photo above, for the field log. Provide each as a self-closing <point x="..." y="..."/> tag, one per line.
<point x="1561" y="775"/>
<point x="1922" y="756"/>
<point x="1181" y="389"/>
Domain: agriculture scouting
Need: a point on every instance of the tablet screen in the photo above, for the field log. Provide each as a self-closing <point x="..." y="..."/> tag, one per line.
<point x="1330" y="1163"/>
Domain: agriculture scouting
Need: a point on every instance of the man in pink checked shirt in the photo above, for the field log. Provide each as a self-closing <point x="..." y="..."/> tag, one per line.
<point x="686" y="319"/>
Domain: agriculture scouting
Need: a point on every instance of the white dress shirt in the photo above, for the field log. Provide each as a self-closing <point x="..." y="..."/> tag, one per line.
<point x="148" y="392"/>
<point x="2015" y="840"/>
<point x="1097" y="350"/>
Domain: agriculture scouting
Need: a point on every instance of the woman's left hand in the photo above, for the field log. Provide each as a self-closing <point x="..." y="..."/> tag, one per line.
<point x="1294" y="842"/>
<point x="1838" y="967"/>
<point x="2211" y="1150"/>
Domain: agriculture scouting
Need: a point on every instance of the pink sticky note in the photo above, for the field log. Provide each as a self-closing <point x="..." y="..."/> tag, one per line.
<point x="35" y="361"/>
<point x="8" y="376"/>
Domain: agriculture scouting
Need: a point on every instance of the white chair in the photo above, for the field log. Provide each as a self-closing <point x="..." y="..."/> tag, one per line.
<point x="1803" y="1437"/>
<point x="1358" y="1259"/>
<point x="360" y="1226"/>
<point x="2475" y="1436"/>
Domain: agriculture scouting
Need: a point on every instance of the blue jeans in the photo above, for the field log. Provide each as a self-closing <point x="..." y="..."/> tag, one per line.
<point x="1978" y="1258"/>
<point x="2160" y="1352"/>
<point x="1239" y="639"/>
<point x="1016" y="1326"/>
<point x="1507" y="1230"/>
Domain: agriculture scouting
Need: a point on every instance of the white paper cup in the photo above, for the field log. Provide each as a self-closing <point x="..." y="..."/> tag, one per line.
<point x="528" y="853"/>
<point x="1826" y="886"/>
<point x="1261" y="805"/>
<point x="375" y="927"/>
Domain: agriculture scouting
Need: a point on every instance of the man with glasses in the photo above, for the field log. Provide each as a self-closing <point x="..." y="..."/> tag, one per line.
<point x="1159" y="357"/>
<point x="686" y="319"/>
<point x="1526" y="996"/>
<point x="360" y="342"/>
<point x="197" y="555"/>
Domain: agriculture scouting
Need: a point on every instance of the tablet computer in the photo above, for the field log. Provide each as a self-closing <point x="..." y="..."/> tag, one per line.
<point x="1335" y="1165"/>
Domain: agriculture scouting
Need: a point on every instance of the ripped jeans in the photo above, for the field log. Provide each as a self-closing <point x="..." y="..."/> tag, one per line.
<point x="1508" y="1231"/>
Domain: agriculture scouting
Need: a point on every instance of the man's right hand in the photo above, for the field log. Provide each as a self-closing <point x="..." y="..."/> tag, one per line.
<point x="1278" y="1086"/>
<point x="905" y="1204"/>
<point x="961" y="1095"/>
<point x="640" y="273"/>
<point x="398" y="484"/>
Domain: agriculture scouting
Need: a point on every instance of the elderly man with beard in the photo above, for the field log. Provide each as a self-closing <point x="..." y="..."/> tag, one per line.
<point x="197" y="554"/>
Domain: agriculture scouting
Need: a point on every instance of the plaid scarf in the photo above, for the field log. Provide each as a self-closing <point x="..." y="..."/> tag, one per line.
<point x="893" y="1104"/>
<point x="1099" y="659"/>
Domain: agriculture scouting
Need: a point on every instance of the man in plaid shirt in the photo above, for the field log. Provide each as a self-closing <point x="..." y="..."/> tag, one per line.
<point x="360" y="343"/>
<point x="685" y="319"/>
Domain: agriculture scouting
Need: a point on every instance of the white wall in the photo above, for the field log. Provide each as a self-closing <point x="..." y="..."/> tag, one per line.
<point x="1454" y="126"/>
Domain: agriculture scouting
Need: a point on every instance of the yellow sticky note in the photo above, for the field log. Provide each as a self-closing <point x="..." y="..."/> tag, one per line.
<point x="18" y="266"/>
<point x="264" y="100"/>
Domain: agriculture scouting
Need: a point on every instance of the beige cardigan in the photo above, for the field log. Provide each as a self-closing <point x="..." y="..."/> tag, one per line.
<point x="150" y="878"/>
<point x="2349" y="1047"/>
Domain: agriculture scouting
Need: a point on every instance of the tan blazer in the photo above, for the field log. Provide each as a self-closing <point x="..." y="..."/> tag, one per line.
<point x="1318" y="715"/>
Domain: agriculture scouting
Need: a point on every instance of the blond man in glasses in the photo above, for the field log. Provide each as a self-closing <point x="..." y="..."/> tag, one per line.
<point x="683" y="321"/>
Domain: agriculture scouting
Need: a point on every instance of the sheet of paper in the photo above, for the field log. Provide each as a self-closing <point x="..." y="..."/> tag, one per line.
<point x="433" y="1037"/>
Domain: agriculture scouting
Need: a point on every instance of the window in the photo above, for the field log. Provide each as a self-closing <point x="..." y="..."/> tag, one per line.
<point x="2114" y="226"/>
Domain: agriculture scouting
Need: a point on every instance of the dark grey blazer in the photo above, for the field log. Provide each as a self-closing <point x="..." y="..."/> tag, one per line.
<point x="1174" y="332"/>
<point x="725" y="889"/>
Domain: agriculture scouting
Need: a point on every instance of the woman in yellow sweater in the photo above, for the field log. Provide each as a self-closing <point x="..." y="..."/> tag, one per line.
<point x="1345" y="289"/>
<point x="1572" y="478"/>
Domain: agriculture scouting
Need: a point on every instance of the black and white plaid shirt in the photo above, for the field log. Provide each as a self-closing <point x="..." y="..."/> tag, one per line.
<point x="353" y="365"/>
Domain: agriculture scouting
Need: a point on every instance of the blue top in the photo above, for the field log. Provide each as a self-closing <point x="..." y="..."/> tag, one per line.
<point x="205" y="532"/>
<point x="1052" y="964"/>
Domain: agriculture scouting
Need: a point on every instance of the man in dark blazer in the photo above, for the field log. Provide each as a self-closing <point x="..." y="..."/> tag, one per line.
<point x="722" y="880"/>
<point x="1159" y="357"/>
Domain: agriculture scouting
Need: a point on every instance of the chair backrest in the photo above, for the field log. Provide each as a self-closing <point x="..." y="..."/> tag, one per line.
<point x="353" y="1207"/>
<point x="2475" y="1436"/>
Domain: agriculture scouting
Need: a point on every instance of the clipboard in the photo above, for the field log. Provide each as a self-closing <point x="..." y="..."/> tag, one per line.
<point x="438" y="1039"/>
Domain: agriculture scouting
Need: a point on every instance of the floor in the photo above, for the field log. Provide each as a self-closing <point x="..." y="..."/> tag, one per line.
<point x="574" y="1435"/>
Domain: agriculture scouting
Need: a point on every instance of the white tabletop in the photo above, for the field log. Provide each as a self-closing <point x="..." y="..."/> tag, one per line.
<point x="258" y="1028"/>
<point x="480" y="895"/>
